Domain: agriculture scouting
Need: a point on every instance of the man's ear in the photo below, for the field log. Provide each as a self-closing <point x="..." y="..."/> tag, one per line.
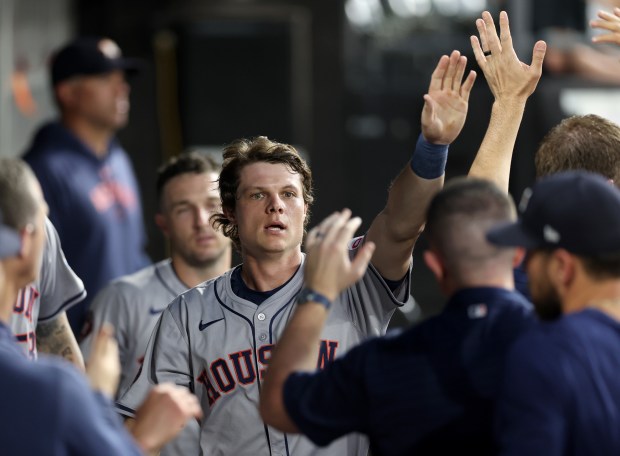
<point x="65" y="92"/>
<point x="563" y="269"/>
<point x="160" y="221"/>
<point x="25" y="235"/>
<point x="518" y="257"/>
<point x="434" y="263"/>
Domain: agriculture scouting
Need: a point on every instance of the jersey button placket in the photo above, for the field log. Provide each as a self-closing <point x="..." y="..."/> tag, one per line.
<point x="261" y="327"/>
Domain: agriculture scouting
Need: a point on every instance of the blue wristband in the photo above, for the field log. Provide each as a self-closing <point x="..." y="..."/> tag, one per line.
<point x="309" y="295"/>
<point x="429" y="160"/>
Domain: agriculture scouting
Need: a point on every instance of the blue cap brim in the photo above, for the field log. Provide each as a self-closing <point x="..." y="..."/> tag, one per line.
<point x="10" y="242"/>
<point x="513" y="234"/>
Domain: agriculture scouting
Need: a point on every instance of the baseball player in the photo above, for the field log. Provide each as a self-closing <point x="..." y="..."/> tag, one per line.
<point x="38" y="320"/>
<point x="188" y="196"/>
<point x="431" y="389"/>
<point x="561" y="394"/>
<point x="216" y="339"/>
<point x="69" y="418"/>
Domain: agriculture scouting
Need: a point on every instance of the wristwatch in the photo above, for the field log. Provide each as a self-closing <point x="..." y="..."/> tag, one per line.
<point x="309" y="295"/>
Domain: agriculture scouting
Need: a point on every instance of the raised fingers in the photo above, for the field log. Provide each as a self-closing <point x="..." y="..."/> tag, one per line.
<point x="361" y="260"/>
<point x="338" y="227"/>
<point x="504" y="30"/>
<point x="467" y="85"/>
<point x="482" y="33"/>
<point x="609" y="22"/>
<point x="439" y="73"/>
<point x="538" y="55"/>
<point x="460" y="71"/>
<point x="493" y="42"/>
<point x="477" y="48"/>
<point x="334" y="231"/>
<point x="452" y="70"/>
<point x="318" y="232"/>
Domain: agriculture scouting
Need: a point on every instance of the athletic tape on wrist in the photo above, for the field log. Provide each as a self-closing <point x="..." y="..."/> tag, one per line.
<point x="429" y="160"/>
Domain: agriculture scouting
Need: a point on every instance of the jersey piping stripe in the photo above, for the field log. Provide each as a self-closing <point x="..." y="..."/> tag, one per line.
<point x="128" y="412"/>
<point x="278" y="313"/>
<point x="164" y="283"/>
<point x="217" y="296"/>
<point x="69" y="302"/>
<point x="271" y="342"/>
<point x="268" y="439"/>
<point x="192" y="376"/>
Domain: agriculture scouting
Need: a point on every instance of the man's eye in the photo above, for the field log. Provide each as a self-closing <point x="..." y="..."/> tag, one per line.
<point x="289" y="194"/>
<point x="256" y="196"/>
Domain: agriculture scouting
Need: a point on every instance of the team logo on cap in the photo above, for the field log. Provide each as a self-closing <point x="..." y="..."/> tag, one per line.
<point x="109" y="48"/>
<point x="551" y="235"/>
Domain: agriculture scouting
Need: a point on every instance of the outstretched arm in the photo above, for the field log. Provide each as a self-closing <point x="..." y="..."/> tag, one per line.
<point x="511" y="82"/>
<point x="327" y="271"/>
<point x="397" y="227"/>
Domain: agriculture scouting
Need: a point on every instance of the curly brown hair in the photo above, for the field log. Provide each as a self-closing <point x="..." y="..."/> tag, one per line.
<point x="589" y="143"/>
<point x="243" y="152"/>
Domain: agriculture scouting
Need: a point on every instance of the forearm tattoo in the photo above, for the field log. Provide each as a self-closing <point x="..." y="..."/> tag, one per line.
<point x="55" y="337"/>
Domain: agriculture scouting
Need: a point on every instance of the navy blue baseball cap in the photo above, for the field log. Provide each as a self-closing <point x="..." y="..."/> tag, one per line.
<point x="87" y="56"/>
<point x="577" y="211"/>
<point x="10" y="242"/>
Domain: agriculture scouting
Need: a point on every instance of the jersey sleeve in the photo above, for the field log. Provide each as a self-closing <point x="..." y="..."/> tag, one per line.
<point x="167" y="358"/>
<point x="330" y="403"/>
<point x="93" y="427"/>
<point x="59" y="287"/>
<point x="370" y="301"/>
<point x="109" y="306"/>
<point x="530" y="413"/>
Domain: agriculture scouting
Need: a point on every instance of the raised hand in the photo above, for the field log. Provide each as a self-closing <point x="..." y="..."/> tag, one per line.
<point x="511" y="82"/>
<point x="445" y="104"/>
<point x="328" y="267"/>
<point x="104" y="368"/>
<point x="507" y="76"/>
<point x="610" y="22"/>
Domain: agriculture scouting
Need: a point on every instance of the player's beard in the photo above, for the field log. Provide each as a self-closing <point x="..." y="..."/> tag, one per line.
<point x="200" y="261"/>
<point x="547" y="304"/>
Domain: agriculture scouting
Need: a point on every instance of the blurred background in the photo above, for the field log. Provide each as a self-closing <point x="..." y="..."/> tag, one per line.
<point x="342" y="80"/>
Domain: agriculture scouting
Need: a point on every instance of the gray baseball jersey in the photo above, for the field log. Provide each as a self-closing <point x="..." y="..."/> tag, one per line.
<point x="56" y="290"/>
<point x="218" y="345"/>
<point x="133" y="304"/>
